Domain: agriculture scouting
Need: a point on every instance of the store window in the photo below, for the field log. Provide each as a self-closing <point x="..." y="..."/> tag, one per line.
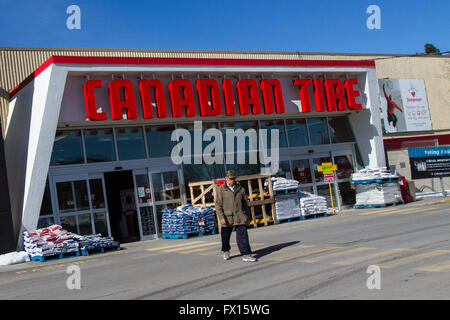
<point x="246" y="142"/>
<point x="344" y="166"/>
<point x="347" y="194"/>
<point x="97" y="196"/>
<point x="165" y="186"/>
<point x="302" y="171"/>
<point x="318" y="131"/>
<point x="318" y="175"/>
<point x="67" y="148"/>
<point x="340" y="130"/>
<point x="130" y="143"/>
<point x="284" y="169"/>
<point x="99" y="145"/>
<point x="201" y="172"/>
<point x="101" y="224"/>
<point x="143" y="188"/>
<point x="72" y="196"/>
<point x="84" y="224"/>
<point x="274" y="125"/>
<point x="297" y="133"/>
<point x="159" y="141"/>
<point x="69" y="223"/>
<point x="245" y="169"/>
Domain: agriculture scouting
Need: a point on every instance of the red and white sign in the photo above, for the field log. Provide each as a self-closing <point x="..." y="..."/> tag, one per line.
<point x="328" y="177"/>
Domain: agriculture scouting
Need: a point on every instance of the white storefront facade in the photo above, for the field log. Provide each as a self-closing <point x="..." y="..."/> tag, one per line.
<point x="88" y="139"/>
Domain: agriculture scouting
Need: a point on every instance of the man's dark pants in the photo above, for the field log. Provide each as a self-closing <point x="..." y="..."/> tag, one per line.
<point x="241" y="239"/>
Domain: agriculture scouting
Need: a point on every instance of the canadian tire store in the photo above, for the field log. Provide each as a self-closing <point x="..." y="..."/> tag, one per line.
<point x="90" y="141"/>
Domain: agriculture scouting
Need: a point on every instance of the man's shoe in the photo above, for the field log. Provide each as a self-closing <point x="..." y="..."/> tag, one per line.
<point x="226" y="255"/>
<point x="248" y="258"/>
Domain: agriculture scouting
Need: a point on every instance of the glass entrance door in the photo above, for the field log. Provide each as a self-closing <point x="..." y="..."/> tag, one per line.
<point x="79" y="203"/>
<point x="154" y="191"/>
<point x="144" y="203"/>
<point x="305" y="171"/>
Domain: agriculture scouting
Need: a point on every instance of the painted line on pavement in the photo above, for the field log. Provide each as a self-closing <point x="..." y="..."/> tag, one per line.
<point x="306" y="253"/>
<point x="336" y="254"/>
<point x="352" y="261"/>
<point x="413" y="258"/>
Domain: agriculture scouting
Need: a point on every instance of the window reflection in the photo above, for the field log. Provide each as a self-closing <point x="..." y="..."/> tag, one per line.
<point x="344" y="166"/>
<point x="159" y="141"/>
<point x="99" y="145"/>
<point x="72" y="196"/>
<point x="97" y="197"/>
<point x="67" y="148"/>
<point x="340" y="130"/>
<point x="130" y="143"/>
<point x="274" y="125"/>
<point x="297" y="133"/>
<point x="166" y="186"/>
<point x="318" y="131"/>
<point x="302" y="171"/>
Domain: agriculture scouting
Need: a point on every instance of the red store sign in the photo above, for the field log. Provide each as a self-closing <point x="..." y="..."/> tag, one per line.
<point x="328" y="95"/>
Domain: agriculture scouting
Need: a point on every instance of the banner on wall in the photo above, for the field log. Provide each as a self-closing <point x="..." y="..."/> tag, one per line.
<point x="429" y="162"/>
<point x="404" y="105"/>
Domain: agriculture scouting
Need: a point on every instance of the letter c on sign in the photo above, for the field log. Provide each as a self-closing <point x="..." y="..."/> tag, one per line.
<point x="89" y="100"/>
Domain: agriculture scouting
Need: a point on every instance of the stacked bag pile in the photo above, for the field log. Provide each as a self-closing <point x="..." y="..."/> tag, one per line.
<point x="96" y="242"/>
<point x="280" y="183"/>
<point x="49" y="241"/>
<point x="372" y="173"/>
<point x="311" y="204"/>
<point x="375" y="186"/>
<point x="187" y="219"/>
<point x="54" y="240"/>
<point x="287" y="206"/>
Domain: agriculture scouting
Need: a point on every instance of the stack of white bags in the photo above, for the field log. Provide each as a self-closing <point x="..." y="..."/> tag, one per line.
<point x="373" y="173"/>
<point x="312" y="204"/>
<point x="371" y="189"/>
<point x="287" y="206"/>
<point x="377" y="193"/>
<point x="280" y="183"/>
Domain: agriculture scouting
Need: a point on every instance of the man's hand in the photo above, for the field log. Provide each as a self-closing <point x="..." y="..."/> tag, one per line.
<point x="223" y="222"/>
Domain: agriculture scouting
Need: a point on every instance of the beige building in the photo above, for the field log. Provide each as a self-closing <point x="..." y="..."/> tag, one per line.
<point x="16" y="64"/>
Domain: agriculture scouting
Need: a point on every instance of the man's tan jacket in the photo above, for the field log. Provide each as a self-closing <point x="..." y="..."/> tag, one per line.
<point x="232" y="206"/>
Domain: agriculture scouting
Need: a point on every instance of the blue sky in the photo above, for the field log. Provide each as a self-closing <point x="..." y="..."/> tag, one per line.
<point x="285" y="25"/>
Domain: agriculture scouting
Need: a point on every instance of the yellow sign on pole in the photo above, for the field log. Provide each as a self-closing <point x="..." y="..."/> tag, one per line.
<point x="328" y="168"/>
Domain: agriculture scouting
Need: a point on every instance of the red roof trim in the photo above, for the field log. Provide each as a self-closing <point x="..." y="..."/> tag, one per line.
<point x="189" y="61"/>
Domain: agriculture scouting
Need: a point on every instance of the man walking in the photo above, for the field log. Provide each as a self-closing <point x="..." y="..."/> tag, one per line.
<point x="233" y="211"/>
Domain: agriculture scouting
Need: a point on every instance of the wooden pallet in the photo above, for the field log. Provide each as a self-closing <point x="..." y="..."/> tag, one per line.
<point x="258" y="198"/>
